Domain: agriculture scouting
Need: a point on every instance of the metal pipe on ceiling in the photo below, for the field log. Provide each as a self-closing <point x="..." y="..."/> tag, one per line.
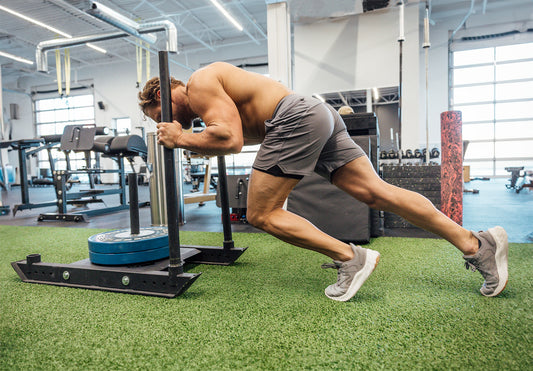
<point x="470" y="11"/>
<point x="141" y="29"/>
<point x="164" y="25"/>
<point x="121" y="22"/>
<point x="44" y="46"/>
<point x="136" y="29"/>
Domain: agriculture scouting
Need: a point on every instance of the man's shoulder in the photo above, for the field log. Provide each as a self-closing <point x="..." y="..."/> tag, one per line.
<point x="214" y="68"/>
<point x="209" y="75"/>
<point x="209" y="71"/>
<point x="220" y="65"/>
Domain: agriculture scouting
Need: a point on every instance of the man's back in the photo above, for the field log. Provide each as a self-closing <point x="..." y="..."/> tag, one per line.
<point x="255" y="96"/>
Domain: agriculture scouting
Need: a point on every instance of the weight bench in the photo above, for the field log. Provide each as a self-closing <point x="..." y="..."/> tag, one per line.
<point x="81" y="138"/>
<point x="517" y="173"/>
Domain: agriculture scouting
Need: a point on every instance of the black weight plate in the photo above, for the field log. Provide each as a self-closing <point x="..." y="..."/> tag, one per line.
<point x="130" y="257"/>
<point x="122" y="241"/>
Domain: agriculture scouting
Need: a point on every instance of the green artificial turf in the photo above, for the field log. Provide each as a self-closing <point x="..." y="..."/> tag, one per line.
<point x="420" y="309"/>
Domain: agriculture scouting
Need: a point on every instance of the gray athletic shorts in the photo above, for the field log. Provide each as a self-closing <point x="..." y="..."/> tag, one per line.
<point x="305" y="135"/>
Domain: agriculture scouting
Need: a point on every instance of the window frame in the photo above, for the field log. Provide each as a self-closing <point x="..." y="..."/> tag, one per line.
<point x="77" y="160"/>
<point x="493" y="117"/>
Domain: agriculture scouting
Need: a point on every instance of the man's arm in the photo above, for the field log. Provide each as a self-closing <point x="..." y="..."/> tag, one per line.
<point x="223" y="133"/>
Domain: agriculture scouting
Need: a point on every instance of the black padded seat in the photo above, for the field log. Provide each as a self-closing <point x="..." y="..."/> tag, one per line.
<point x="128" y="146"/>
<point x="54" y="138"/>
<point x="102" y="144"/>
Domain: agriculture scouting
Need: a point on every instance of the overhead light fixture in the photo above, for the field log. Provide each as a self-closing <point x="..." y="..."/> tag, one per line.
<point x="227" y="15"/>
<point x="15" y="58"/>
<point x="97" y="48"/>
<point x="319" y="97"/>
<point x="49" y="28"/>
<point x="34" y="21"/>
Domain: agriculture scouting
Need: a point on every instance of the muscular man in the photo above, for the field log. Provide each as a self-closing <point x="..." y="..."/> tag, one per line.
<point x="299" y="135"/>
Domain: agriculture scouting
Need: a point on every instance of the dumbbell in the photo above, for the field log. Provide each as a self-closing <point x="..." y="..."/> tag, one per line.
<point x="392" y="154"/>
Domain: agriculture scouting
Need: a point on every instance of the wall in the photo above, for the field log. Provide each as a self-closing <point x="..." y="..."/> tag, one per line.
<point x="361" y="51"/>
<point x="324" y="57"/>
<point x="498" y="18"/>
<point x="21" y="127"/>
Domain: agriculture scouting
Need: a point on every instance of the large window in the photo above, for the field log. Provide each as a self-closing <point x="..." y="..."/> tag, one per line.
<point x="493" y="88"/>
<point x="51" y="117"/>
<point x="122" y="125"/>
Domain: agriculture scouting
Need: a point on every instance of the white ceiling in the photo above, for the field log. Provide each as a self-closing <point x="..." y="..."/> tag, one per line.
<point x="200" y="25"/>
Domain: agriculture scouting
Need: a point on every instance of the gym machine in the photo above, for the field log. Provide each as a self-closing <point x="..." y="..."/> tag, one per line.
<point x="164" y="277"/>
<point x="81" y="138"/>
<point x="24" y="146"/>
<point x="50" y="142"/>
<point x="4" y="180"/>
<point x="30" y="147"/>
<point x="520" y="179"/>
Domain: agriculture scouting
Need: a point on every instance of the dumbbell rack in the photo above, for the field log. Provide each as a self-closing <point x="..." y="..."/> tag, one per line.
<point x="164" y="278"/>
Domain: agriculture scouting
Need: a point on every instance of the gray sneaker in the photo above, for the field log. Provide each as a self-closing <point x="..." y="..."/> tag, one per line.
<point x="491" y="260"/>
<point x="351" y="274"/>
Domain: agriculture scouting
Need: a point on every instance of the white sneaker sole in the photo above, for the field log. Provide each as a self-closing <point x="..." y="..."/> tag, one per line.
<point x="502" y="251"/>
<point x="372" y="259"/>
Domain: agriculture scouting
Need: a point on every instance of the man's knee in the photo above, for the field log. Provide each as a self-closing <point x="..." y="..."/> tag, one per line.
<point x="255" y="217"/>
<point x="380" y="197"/>
<point x="262" y="219"/>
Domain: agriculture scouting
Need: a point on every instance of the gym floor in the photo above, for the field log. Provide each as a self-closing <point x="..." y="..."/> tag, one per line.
<point x="493" y="205"/>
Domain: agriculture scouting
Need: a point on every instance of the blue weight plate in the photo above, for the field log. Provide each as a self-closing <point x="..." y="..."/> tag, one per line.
<point x="128" y="258"/>
<point x="122" y="241"/>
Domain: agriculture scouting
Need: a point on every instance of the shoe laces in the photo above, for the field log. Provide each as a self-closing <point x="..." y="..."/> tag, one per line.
<point x="342" y="275"/>
<point x="474" y="266"/>
<point x="333" y="265"/>
<point x="471" y="266"/>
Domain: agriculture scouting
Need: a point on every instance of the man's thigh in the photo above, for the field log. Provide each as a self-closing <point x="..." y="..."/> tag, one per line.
<point x="267" y="192"/>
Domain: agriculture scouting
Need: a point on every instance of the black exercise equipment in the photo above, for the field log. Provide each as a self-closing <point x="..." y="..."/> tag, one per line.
<point x="423" y="179"/>
<point x="23" y="146"/>
<point x="81" y="138"/>
<point x="50" y="142"/>
<point x="166" y="277"/>
<point x="435" y="153"/>
<point x="516" y="174"/>
<point x="30" y="147"/>
<point x="237" y="187"/>
<point x="4" y="209"/>
<point x="4" y="180"/>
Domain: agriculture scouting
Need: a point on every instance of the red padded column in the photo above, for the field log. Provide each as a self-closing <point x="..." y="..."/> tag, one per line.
<point x="452" y="165"/>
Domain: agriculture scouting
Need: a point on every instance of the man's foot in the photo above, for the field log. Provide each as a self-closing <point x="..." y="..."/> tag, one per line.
<point x="491" y="260"/>
<point x="352" y="273"/>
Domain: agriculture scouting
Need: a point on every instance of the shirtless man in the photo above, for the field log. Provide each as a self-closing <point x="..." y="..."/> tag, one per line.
<point x="299" y="135"/>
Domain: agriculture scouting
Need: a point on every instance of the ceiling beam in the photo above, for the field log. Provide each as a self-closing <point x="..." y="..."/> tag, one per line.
<point x="182" y="28"/>
<point x="250" y="19"/>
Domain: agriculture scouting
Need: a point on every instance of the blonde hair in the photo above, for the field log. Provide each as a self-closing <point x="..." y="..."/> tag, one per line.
<point x="148" y="96"/>
<point x="345" y="110"/>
